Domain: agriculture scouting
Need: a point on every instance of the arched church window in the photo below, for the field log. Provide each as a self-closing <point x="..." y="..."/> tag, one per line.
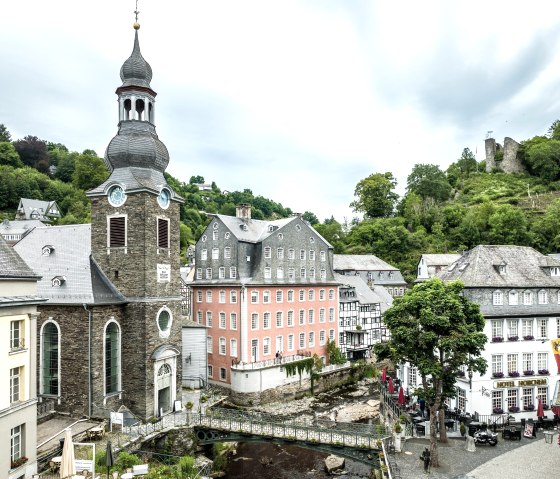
<point x="112" y="358"/>
<point x="50" y="359"/>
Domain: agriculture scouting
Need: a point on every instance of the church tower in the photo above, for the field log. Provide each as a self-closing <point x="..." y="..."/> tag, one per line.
<point x="135" y="241"/>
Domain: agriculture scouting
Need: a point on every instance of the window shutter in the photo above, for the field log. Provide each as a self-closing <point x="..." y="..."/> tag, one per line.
<point x="163" y="233"/>
<point x="117" y="232"/>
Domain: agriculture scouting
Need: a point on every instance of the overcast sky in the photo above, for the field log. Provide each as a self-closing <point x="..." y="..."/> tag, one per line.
<point x="296" y="100"/>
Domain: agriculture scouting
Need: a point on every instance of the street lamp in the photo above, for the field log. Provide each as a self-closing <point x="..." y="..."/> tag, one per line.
<point x="470" y="378"/>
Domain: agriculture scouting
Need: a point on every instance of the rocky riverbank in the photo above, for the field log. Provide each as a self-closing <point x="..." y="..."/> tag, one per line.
<point x="347" y="404"/>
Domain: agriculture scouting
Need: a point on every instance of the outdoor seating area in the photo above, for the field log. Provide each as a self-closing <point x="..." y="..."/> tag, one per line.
<point x="96" y="433"/>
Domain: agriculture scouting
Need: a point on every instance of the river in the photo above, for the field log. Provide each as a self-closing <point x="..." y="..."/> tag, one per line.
<point x="267" y="460"/>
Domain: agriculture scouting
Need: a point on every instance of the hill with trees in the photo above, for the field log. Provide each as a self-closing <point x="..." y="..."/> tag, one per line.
<point x="441" y="212"/>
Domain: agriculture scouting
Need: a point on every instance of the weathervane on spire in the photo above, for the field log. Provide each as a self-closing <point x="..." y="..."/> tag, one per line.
<point x="136" y="12"/>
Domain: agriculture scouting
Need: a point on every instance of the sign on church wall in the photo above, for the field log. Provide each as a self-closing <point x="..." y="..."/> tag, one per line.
<point x="163" y="273"/>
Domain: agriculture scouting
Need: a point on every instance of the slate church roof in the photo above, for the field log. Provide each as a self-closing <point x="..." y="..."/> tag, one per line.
<point x="70" y="275"/>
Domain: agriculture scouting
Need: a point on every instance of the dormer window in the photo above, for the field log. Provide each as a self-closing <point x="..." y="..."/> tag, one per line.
<point x="555" y="271"/>
<point x="58" y="281"/>
<point x="270" y="228"/>
<point x="502" y="268"/>
<point x="47" y="250"/>
<point x="215" y="226"/>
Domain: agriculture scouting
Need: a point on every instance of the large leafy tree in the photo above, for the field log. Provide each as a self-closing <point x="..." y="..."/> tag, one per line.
<point x="376" y="195"/>
<point x="438" y="330"/>
<point x="33" y="152"/>
<point x="428" y="181"/>
<point x="89" y="171"/>
<point x="544" y="159"/>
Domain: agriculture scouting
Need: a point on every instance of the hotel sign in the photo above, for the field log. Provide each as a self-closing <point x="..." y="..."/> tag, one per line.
<point x="520" y="383"/>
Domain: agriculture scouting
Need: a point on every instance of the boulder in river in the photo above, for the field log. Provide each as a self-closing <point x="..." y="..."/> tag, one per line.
<point x="333" y="463"/>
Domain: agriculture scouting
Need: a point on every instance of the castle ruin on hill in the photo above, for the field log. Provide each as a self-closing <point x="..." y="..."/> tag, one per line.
<point x="504" y="158"/>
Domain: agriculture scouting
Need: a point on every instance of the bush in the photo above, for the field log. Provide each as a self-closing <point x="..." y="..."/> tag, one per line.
<point x="126" y="460"/>
<point x="187" y="467"/>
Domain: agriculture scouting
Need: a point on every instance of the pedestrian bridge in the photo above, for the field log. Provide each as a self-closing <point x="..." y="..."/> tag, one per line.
<point x="354" y="441"/>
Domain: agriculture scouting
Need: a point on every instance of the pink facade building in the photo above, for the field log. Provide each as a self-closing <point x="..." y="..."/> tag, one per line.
<point x="266" y="292"/>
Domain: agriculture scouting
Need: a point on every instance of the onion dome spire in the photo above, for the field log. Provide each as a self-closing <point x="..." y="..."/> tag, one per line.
<point x="136" y="71"/>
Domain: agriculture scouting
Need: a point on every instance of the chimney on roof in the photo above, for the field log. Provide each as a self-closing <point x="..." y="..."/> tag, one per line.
<point x="297" y="215"/>
<point x="243" y="211"/>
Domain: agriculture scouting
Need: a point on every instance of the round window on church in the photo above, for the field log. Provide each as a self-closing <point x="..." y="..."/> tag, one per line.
<point x="164" y="320"/>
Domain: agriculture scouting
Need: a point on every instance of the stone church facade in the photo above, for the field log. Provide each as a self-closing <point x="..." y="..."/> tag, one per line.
<point x="110" y="334"/>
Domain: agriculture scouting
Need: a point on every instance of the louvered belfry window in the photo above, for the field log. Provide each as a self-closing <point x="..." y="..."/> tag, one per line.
<point x="117" y="232"/>
<point x="163" y="233"/>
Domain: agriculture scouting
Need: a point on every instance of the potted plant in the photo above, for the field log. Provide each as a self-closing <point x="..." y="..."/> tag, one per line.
<point x="530" y="407"/>
<point x="513" y="338"/>
<point x="463" y="429"/>
<point x="497" y="339"/>
<point x="543" y="371"/>
<point x="18" y="462"/>
<point x="513" y="374"/>
<point x="498" y="410"/>
<point x="529" y="337"/>
<point x="498" y="374"/>
<point x="545" y="407"/>
<point x="529" y="372"/>
<point x="398" y="428"/>
<point x="460" y="374"/>
<point x="513" y="409"/>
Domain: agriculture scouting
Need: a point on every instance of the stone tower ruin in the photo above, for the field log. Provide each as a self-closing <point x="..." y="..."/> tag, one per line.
<point x="503" y="158"/>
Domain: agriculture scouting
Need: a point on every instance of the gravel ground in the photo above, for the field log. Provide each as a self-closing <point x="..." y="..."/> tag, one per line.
<point x="508" y="459"/>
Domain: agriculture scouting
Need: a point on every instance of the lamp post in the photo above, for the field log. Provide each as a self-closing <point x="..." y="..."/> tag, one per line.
<point x="470" y="379"/>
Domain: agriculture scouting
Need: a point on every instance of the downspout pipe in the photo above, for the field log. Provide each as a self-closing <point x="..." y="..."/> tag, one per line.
<point x="89" y="312"/>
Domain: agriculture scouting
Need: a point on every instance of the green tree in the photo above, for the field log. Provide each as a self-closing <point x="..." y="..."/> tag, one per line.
<point x="196" y="180"/>
<point x="429" y="181"/>
<point x="66" y="165"/>
<point x="4" y="133"/>
<point x="9" y="155"/>
<point x="90" y="171"/>
<point x="333" y="232"/>
<point x="508" y="225"/>
<point x="543" y="159"/>
<point x="376" y="195"/>
<point x="310" y="218"/>
<point x="553" y="131"/>
<point x="467" y="162"/>
<point x="438" y="330"/>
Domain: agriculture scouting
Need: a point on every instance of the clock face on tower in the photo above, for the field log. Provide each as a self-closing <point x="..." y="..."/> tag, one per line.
<point x="117" y="196"/>
<point x="164" y="198"/>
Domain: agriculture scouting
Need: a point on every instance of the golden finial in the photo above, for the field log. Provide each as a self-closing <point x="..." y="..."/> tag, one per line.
<point x="136" y="12"/>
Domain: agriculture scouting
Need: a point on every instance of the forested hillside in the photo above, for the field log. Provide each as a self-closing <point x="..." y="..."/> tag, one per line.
<point x="442" y="211"/>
